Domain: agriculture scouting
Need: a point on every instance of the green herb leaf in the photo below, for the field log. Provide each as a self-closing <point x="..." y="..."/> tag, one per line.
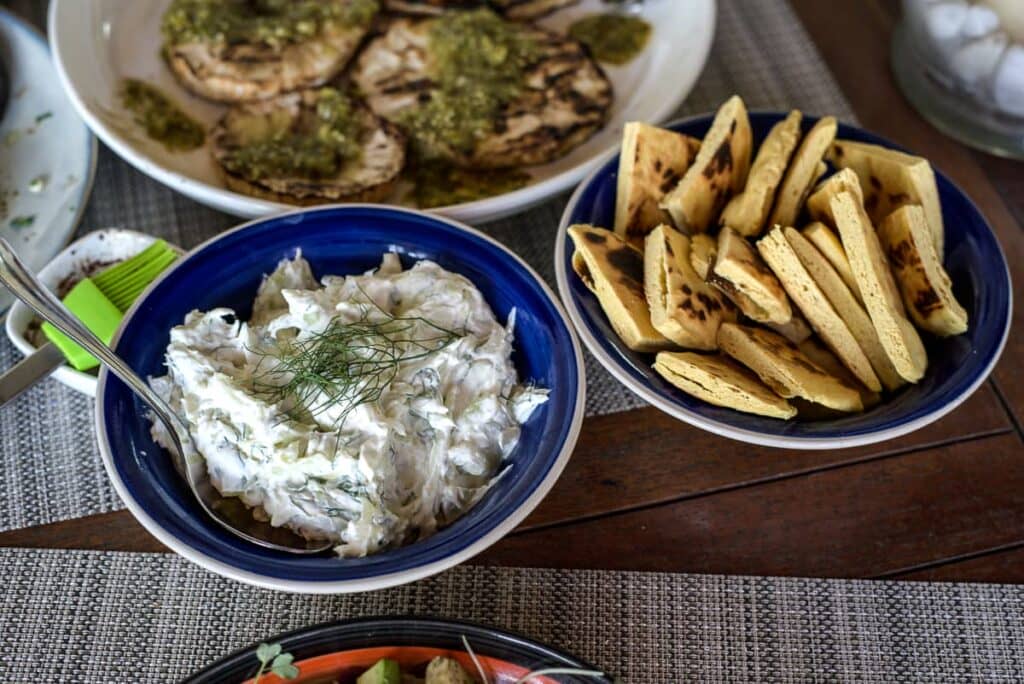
<point x="22" y="221"/>
<point x="43" y="117"/>
<point x="286" y="671"/>
<point x="267" y="652"/>
<point x="282" y="660"/>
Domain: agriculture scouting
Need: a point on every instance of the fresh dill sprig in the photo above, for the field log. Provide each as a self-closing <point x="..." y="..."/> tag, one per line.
<point x="348" y="364"/>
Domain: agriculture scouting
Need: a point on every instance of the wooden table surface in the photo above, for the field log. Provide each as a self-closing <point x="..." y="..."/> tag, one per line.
<point x="645" y="492"/>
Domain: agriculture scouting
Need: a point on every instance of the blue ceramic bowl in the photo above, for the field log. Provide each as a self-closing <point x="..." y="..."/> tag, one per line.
<point x="226" y="271"/>
<point x="957" y="365"/>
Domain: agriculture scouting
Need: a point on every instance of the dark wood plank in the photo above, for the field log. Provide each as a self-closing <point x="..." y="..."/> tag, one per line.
<point x="1007" y="176"/>
<point x="608" y="473"/>
<point x="861" y="66"/>
<point x="628" y="460"/>
<point x="116" y="531"/>
<point x="860" y="521"/>
<point x="1006" y="567"/>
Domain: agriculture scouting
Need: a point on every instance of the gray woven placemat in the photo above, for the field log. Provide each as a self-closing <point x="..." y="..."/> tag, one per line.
<point x="119" y="617"/>
<point x="49" y="466"/>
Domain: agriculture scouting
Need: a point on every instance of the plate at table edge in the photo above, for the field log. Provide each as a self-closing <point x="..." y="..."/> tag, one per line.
<point x="349" y="641"/>
<point x="168" y="512"/>
<point x="69" y="185"/>
<point x="633" y="370"/>
<point x="683" y="68"/>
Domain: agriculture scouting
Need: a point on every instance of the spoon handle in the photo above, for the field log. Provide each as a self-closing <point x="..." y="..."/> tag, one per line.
<point x="37" y="297"/>
<point x="26" y="287"/>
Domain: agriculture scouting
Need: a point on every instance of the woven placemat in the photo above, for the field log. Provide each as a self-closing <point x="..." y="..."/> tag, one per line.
<point x="49" y="466"/>
<point x="118" y="617"/>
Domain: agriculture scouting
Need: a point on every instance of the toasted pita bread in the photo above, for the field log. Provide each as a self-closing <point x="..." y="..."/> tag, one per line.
<point x="739" y="268"/>
<point x="847" y="306"/>
<point x="784" y="368"/>
<point x="614" y="271"/>
<point x="746" y="212"/>
<point x="819" y="202"/>
<point x="719" y="171"/>
<point x="796" y="329"/>
<point x="721" y="381"/>
<point x="803" y="171"/>
<point x="891" y="179"/>
<point x="652" y="162"/>
<point x="822" y="356"/>
<point x="817" y="309"/>
<point x="703" y="250"/>
<point x="827" y="242"/>
<point x="925" y="285"/>
<point x="878" y="289"/>
<point x="683" y="307"/>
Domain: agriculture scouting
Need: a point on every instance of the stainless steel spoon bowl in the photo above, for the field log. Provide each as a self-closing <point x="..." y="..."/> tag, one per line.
<point x="230" y="513"/>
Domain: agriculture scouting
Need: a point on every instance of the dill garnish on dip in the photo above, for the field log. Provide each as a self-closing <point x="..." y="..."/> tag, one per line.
<point x="370" y="410"/>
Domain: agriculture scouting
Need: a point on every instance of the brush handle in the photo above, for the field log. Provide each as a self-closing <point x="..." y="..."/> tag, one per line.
<point x="26" y="287"/>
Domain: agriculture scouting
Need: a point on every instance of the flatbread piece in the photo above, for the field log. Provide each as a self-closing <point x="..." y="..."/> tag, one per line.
<point x="784" y="368"/>
<point x="719" y="171"/>
<point x="719" y="380"/>
<point x="652" y="162"/>
<point x="614" y="271"/>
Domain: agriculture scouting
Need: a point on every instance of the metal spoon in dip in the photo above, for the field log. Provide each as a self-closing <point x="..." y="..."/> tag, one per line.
<point x="230" y="513"/>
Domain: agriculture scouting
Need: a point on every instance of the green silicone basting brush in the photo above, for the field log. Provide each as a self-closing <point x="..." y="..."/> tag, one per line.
<point x="100" y="301"/>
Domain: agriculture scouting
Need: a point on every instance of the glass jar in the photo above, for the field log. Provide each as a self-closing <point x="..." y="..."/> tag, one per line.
<point x="961" y="64"/>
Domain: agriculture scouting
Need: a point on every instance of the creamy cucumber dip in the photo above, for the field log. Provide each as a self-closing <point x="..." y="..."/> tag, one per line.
<point x="371" y="410"/>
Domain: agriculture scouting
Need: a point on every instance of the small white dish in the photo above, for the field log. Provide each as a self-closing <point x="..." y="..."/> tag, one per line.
<point x="48" y="155"/>
<point x="96" y="43"/>
<point x="100" y="247"/>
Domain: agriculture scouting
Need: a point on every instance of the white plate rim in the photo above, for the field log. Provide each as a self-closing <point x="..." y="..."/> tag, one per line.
<point x="487" y="209"/>
<point x="92" y="152"/>
<point x="380" y="581"/>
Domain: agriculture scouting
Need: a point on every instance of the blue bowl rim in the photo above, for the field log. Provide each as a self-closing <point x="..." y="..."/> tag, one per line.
<point x="373" y="582"/>
<point x="659" y="401"/>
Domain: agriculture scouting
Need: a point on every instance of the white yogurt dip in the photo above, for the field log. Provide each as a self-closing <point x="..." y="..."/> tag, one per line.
<point x="370" y="410"/>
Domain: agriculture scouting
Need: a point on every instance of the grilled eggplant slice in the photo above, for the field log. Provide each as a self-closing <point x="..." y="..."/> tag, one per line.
<point x="530" y="9"/>
<point x="242" y="50"/>
<point x="280" y="150"/>
<point x="564" y="96"/>
<point x="428" y="7"/>
<point x="519" y="10"/>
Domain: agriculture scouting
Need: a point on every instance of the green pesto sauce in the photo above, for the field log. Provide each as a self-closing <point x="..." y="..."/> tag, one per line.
<point x="314" y="145"/>
<point x="162" y="119"/>
<point x="612" y="38"/>
<point x="479" y="63"/>
<point x="439" y="184"/>
<point x="272" y="22"/>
